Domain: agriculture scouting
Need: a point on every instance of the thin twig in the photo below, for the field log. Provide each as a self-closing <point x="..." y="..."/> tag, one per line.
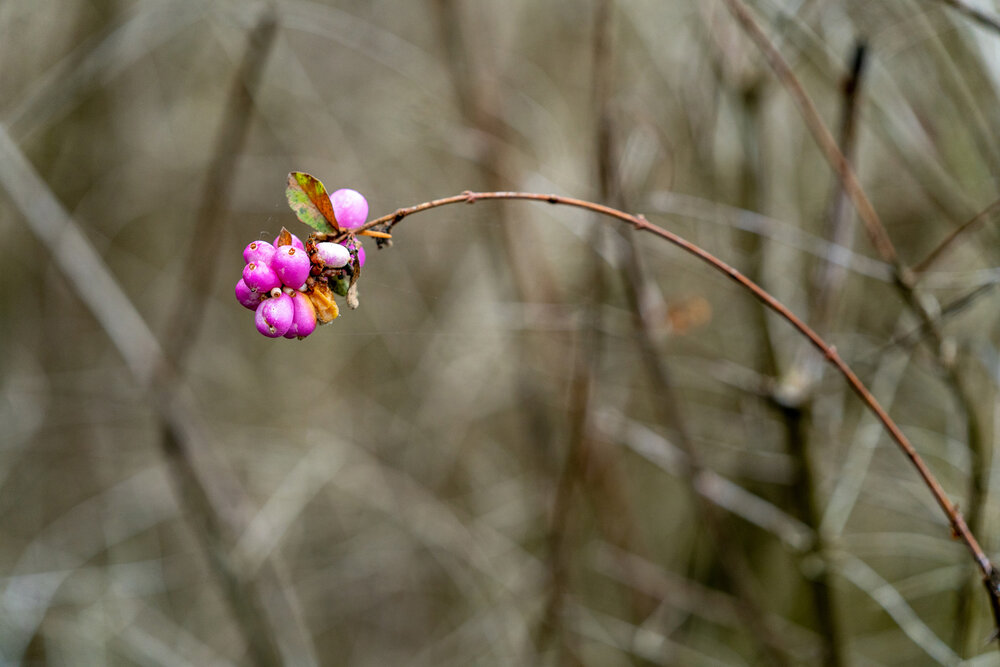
<point x="977" y="15"/>
<point x="916" y="334"/>
<point x="478" y="101"/>
<point x="886" y="596"/>
<point x="944" y="245"/>
<point x="830" y="281"/>
<point x="991" y="581"/>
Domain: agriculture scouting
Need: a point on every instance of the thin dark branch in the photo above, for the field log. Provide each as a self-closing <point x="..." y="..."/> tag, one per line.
<point x="915" y="335"/>
<point x="831" y="277"/>
<point x="977" y="15"/>
<point x="945" y="244"/>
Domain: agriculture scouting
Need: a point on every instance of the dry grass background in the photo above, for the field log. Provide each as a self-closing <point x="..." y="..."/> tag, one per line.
<point x="477" y="466"/>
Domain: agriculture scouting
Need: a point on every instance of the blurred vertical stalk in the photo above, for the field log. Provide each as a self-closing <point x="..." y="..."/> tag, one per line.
<point x="795" y="411"/>
<point x="579" y="458"/>
<point x="263" y="604"/>
<point x="618" y="521"/>
<point x="736" y="571"/>
<point x="273" y="636"/>
<point x="794" y="392"/>
<point x="751" y="198"/>
<point x="208" y="230"/>
<point x="214" y="502"/>
<point x="588" y="463"/>
<point x="481" y="107"/>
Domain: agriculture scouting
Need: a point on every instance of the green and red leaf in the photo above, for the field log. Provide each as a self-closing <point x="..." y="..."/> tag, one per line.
<point x="311" y="203"/>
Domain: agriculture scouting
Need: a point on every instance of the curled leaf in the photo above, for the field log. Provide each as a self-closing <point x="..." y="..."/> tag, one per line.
<point x="322" y="300"/>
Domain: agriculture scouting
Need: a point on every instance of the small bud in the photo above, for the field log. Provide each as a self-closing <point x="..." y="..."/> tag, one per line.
<point x="354" y="246"/>
<point x="333" y="254"/>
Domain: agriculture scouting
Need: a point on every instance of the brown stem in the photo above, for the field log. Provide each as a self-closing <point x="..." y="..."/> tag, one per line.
<point x="804" y="493"/>
<point x="480" y="104"/>
<point x="991" y="580"/>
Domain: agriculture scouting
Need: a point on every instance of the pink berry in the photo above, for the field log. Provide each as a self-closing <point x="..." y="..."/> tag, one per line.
<point x="274" y="316"/>
<point x="292" y="265"/>
<point x="354" y="245"/>
<point x="303" y="317"/>
<point x="296" y="242"/>
<point x="258" y="251"/>
<point x="350" y="207"/>
<point x="333" y="254"/>
<point x="260" y="277"/>
<point x="247" y="297"/>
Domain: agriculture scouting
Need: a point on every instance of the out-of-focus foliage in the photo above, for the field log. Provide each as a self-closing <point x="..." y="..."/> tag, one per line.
<point x="476" y="466"/>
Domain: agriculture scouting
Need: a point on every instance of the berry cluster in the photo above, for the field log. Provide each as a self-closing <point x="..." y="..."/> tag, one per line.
<point x="290" y="284"/>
